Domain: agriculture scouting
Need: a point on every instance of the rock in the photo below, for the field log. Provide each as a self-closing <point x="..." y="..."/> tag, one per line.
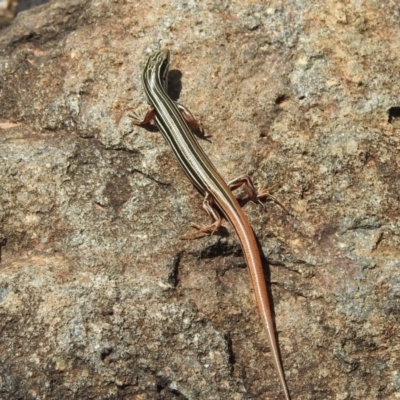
<point x="99" y="297"/>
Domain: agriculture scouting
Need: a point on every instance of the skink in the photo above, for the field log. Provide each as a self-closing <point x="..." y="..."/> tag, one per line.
<point x="175" y="122"/>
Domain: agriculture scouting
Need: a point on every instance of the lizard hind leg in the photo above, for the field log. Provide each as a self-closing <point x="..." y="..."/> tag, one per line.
<point x="208" y="207"/>
<point x="257" y="197"/>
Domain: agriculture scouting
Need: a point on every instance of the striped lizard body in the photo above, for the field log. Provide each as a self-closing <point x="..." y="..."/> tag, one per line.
<point x="175" y="122"/>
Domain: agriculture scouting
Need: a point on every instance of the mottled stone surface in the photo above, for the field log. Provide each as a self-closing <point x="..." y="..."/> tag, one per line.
<point x="100" y="299"/>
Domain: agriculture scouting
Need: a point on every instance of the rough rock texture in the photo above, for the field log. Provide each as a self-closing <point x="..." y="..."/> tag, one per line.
<point x="100" y="299"/>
